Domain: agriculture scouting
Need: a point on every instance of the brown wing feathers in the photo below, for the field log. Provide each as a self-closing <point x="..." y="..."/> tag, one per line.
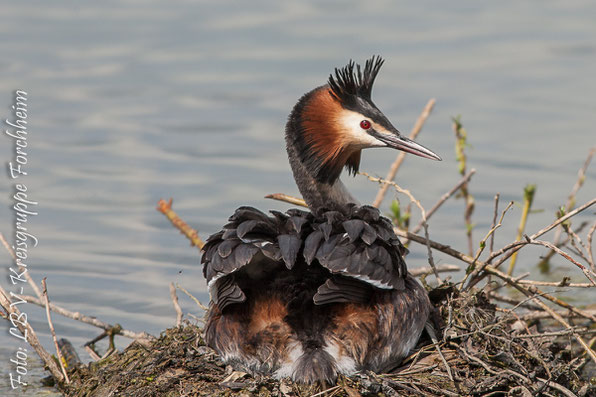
<point x="357" y="247"/>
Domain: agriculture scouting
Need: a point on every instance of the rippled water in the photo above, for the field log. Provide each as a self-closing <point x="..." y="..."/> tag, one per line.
<point x="130" y="102"/>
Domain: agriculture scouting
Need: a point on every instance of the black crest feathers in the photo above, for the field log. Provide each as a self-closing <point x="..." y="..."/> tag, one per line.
<point x="351" y="81"/>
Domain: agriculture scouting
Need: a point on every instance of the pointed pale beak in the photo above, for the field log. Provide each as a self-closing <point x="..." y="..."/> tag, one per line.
<point x="407" y="145"/>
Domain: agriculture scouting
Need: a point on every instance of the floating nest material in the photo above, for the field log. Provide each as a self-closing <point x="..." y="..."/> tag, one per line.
<point x="482" y="351"/>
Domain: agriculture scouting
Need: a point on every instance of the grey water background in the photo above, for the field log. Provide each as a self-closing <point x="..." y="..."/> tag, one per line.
<point x="131" y="101"/>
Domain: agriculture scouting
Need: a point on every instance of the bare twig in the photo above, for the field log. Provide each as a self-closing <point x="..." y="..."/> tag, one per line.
<point x="581" y="176"/>
<point x="534" y="290"/>
<point x="444" y="198"/>
<point x="286" y="198"/>
<point x="176" y="304"/>
<point x="199" y="304"/>
<point x="431" y="261"/>
<point x="509" y="249"/>
<point x="419" y="271"/>
<point x="490" y="269"/>
<point x="553" y="314"/>
<point x="401" y="155"/>
<point x="559" y="251"/>
<point x="190" y="233"/>
<point x="539" y="314"/>
<point x="92" y="353"/>
<point x="433" y="337"/>
<point x="29" y="334"/>
<point x="139" y="336"/>
<point x="563" y="283"/>
<point x="53" y="331"/>
<point x="32" y="283"/>
<point x="472" y="270"/>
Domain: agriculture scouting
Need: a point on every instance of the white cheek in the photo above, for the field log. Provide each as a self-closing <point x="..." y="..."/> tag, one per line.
<point x="356" y="135"/>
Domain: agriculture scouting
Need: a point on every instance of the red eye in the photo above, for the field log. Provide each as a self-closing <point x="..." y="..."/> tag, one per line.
<point x="365" y="124"/>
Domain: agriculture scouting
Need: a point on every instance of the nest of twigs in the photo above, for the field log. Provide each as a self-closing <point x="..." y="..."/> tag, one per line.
<point x="482" y="351"/>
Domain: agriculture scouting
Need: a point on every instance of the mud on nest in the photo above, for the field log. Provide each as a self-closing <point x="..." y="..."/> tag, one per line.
<point x="486" y="351"/>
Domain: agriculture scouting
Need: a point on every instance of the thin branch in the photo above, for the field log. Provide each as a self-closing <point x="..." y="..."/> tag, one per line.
<point x="29" y="335"/>
<point x="190" y="233"/>
<point x="399" y="189"/>
<point x="176" y="304"/>
<point x="563" y="283"/>
<point x="419" y="271"/>
<point x="492" y="236"/>
<point x="287" y="199"/>
<point x="32" y="283"/>
<point x="508" y="250"/>
<point x="141" y="337"/>
<point x="472" y="270"/>
<point x="401" y="155"/>
<point x="544" y="306"/>
<point x="589" y="246"/>
<point x="444" y="198"/>
<point x="433" y="337"/>
<point x="581" y="176"/>
<point x="488" y="268"/>
<point x="202" y="306"/>
<point x="92" y="353"/>
<point x="53" y="331"/>
<point x="559" y="251"/>
<point x="561" y="303"/>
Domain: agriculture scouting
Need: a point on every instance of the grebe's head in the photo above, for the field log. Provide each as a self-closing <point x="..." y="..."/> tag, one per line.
<point x="330" y="125"/>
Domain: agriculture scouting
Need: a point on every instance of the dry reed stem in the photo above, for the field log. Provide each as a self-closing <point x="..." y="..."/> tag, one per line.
<point x="190" y="233"/>
<point x="176" y="304"/>
<point x="529" y="192"/>
<point x="401" y="155"/>
<point x="61" y="360"/>
<point x="460" y="144"/>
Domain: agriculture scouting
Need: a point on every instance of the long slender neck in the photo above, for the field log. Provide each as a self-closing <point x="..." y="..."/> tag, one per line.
<point x="317" y="180"/>
<point x="317" y="194"/>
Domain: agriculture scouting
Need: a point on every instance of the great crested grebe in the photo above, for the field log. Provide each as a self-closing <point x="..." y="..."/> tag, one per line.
<point x="311" y="295"/>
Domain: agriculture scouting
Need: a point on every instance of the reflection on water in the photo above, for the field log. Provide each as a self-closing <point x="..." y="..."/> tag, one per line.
<point x="130" y="104"/>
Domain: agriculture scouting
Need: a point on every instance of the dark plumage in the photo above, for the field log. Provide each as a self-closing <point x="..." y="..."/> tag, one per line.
<point x="312" y="294"/>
